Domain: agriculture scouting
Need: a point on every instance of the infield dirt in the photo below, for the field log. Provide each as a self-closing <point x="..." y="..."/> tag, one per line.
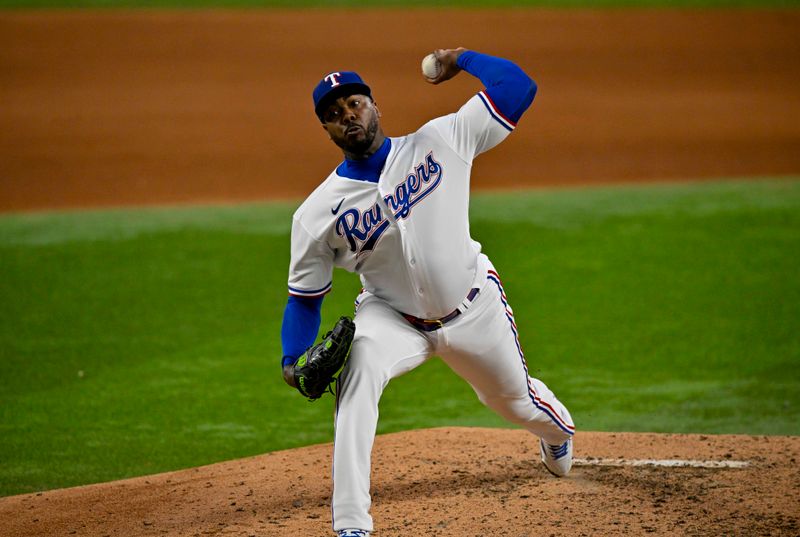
<point x="127" y="108"/>
<point x="454" y="482"/>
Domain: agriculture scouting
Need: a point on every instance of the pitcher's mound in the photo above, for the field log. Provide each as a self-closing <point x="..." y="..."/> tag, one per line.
<point x="453" y="482"/>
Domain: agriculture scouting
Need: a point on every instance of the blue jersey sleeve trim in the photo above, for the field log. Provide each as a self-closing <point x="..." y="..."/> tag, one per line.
<point x="301" y="320"/>
<point x="495" y="113"/>
<point x="509" y="89"/>
<point x="312" y="293"/>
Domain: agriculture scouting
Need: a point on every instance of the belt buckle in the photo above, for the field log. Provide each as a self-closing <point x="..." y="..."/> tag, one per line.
<point x="437" y="322"/>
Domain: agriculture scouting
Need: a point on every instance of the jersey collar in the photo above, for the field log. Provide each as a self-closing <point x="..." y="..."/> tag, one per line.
<point x="369" y="169"/>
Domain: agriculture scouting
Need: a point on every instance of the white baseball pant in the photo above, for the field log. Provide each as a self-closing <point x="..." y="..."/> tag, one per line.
<point x="480" y="345"/>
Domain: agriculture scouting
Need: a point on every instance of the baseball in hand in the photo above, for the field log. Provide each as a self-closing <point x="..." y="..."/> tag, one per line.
<point x="431" y="66"/>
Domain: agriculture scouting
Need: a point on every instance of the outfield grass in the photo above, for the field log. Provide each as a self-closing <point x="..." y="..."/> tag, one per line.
<point x="139" y="341"/>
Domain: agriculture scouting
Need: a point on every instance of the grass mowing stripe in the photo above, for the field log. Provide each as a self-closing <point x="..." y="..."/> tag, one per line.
<point x="139" y="341"/>
<point x="47" y="228"/>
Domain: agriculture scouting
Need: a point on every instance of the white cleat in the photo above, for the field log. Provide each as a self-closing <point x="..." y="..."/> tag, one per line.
<point x="557" y="459"/>
<point x="353" y="533"/>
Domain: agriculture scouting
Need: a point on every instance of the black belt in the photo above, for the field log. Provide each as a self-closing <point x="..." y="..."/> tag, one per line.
<point x="429" y="325"/>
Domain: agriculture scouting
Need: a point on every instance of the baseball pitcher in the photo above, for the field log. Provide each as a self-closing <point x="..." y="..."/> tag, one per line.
<point x="395" y="211"/>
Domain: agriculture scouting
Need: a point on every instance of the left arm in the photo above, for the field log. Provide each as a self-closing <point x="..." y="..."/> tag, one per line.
<point x="301" y="320"/>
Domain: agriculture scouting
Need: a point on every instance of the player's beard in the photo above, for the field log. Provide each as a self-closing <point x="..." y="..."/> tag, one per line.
<point x="362" y="145"/>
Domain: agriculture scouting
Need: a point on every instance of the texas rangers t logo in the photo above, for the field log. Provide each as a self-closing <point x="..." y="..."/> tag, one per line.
<point x="332" y="79"/>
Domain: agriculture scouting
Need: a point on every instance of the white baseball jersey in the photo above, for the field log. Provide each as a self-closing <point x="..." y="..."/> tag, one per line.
<point x="408" y="235"/>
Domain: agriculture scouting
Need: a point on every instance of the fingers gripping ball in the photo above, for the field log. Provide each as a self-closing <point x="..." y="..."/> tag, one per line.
<point x="316" y="370"/>
<point x="431" y="66"/>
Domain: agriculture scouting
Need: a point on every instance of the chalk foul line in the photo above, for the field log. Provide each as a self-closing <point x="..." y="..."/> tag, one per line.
<point x="669" y="463"/>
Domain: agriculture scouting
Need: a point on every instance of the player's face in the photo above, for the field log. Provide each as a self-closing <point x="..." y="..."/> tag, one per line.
<point x="352" y="122"/>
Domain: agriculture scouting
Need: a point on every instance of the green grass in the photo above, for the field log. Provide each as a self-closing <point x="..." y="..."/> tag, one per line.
<point x="337" y="4"/>
<point x="139" y="341"/>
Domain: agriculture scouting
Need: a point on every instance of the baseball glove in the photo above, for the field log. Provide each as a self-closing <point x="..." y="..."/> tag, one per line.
<point x="316" y="370"/>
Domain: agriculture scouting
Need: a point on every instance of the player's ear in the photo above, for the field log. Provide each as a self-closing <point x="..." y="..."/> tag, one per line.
<point x="378" y="110"/>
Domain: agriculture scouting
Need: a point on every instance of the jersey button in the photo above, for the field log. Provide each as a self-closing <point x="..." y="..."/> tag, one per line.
<point x="412" y="262"/>
<point x="420" y="290"/>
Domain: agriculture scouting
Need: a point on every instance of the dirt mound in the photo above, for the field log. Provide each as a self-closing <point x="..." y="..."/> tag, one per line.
<point x="452" y="482"/>
<point x="140" y="107"/>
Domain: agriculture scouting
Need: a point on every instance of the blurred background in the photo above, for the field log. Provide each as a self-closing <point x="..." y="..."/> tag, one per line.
<point x="141" y="107"/>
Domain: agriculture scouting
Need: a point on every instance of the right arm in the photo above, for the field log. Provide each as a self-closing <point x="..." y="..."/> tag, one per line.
<point x="487" y="119"/>
<point x="510" y="89"/>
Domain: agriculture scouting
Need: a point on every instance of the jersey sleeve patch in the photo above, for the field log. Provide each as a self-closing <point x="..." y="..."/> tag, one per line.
<point x="495" y="112"/>
<point x="310" y="293"/>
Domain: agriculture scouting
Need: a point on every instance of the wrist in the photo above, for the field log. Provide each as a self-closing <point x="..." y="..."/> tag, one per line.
<point x="463" y="56"/>
<point x="288" y="375"/>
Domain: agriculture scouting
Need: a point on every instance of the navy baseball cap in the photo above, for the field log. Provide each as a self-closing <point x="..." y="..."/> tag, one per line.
<point x="335" y="85"/>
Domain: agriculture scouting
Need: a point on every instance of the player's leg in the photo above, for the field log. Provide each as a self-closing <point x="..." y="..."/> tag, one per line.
<point x="385" y="346"/>
<point x="482" y="346"/>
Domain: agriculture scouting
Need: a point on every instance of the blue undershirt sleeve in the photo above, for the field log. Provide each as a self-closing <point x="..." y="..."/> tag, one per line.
<point x="301" y="320"/>
<point x="509" y="88"/>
